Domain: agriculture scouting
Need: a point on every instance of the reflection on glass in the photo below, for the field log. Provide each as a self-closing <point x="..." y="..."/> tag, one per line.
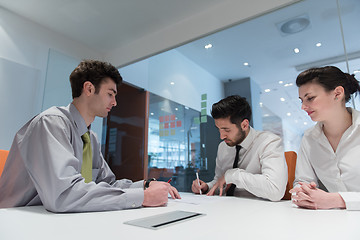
<point x="174" y="145"/>
<point x="261" y="49"/>
<point x="276" y="47"/>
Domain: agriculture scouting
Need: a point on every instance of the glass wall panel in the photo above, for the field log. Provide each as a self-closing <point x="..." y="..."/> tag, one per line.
<point x="349" y="11"/>
<point x="270" y="50"/>
<point x="176" y="143"/>
<point x="273" y="49"/>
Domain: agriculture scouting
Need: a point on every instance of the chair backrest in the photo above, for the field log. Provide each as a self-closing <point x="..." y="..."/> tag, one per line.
<point x="291" y="163"/>
<point x="3" y="157"/>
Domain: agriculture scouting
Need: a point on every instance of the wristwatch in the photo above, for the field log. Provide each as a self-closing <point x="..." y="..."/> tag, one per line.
<point x="147" y="183"/>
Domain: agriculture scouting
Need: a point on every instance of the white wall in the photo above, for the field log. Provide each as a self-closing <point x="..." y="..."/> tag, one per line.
<point x="25" y="47"/>
<point x="14" y="89"/>
<point x="190" y="81"/>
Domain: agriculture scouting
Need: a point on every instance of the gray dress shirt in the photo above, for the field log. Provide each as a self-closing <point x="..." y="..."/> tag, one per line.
<point x="44" y="167"/>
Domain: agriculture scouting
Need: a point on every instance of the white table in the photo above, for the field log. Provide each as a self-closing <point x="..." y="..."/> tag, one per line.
<point x="229" y="218"/>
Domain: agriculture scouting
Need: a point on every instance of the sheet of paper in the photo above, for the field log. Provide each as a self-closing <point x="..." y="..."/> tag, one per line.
<point x="197" y="199"/>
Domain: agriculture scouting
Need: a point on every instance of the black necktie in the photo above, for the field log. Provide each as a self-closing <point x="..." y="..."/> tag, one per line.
<point x="230" y="191"/>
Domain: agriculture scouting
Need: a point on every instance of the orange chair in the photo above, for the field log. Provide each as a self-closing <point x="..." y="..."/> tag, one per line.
<point x="291" y="163"/>
<point x="3" y="157"/>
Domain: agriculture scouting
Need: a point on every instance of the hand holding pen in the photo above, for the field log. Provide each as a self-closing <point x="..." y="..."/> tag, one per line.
<point x="199" y="186"/>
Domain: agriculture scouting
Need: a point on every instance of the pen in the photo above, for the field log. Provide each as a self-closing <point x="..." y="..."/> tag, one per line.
<point x="169" y="180"/>
<point x="197" y="176"/>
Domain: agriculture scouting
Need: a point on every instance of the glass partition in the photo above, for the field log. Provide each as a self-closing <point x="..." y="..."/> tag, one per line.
<point x="270" y="50"/>
<point x="174" y="144"/>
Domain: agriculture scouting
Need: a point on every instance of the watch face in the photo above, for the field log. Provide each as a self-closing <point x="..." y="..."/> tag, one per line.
<point x="147" y="184"/>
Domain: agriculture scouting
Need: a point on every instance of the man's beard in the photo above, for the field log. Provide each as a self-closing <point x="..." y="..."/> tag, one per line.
<point x="239" y="138"/>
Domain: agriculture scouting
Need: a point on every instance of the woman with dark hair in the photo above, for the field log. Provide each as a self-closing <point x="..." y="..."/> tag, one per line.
<point x="329" y="155"/>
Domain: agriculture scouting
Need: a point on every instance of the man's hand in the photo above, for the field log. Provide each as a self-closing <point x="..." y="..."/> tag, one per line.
<point x="174" y="193"/>
<point x="219" y="185"/>
<point x="157" y="194"/>
<point x="309" y="196"/>
<point x="196" y="188"/>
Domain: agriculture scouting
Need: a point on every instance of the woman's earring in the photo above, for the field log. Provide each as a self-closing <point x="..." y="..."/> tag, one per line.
<point x="336" y="98"/>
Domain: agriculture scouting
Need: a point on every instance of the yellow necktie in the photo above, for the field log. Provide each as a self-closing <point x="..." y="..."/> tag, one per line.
<point x="86" y="168"/>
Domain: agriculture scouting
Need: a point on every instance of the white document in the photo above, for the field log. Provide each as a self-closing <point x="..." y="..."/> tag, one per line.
<point x="198" y="199"/>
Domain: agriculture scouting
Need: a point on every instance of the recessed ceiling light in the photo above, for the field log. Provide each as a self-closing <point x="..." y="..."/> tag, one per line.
<point x="151" y="114"/>
<point x="246" y="64"/>
<point x="295" y="25"/>
<point x="296" y="50"/>
<point x="261" y="104"/>
<point x="318" y="44"/>
<point x="172" y="83"/>
<point x="267" y="90"/>
<point x="208" y="46"/>
<point x="289" y="114"/>
<point x="282" y="99"/>
<point x="266" y="115"/>
<point x="176" y="109"/>
<point x="281" y="82"/>
<point x="305" y="123"/>
<point x="288" y="84"/>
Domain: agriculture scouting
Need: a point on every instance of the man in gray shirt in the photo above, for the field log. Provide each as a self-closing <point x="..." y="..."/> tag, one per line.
<point x="45" y="162"/>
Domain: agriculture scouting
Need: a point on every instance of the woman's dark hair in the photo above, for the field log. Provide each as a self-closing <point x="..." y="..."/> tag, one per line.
<point x="94" y="72"/>
<point x="235" y="107"/>
<point x="330" y="77"/>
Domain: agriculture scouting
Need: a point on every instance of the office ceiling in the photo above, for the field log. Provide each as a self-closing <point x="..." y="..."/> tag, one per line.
<point x="124" y="21"/>
<point x="258" y="42"/>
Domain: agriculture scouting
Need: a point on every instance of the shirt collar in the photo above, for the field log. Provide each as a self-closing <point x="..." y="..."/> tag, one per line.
<point x="248" y="139"/>
<point x="317" y="129"/>
<point x="78" y="120"/>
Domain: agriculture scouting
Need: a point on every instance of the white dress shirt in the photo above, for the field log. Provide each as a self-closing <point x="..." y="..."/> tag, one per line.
<point x="338" y="171"/>
<point x="262" y="169"/>
<point x="44" y="167"/>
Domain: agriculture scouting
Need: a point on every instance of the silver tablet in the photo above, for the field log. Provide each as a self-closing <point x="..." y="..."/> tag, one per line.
<point x="164" y="220"/>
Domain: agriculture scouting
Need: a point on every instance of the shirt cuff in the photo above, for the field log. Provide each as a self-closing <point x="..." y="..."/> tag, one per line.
<point x="134" y="197"/>
<point x="351" y="199"/>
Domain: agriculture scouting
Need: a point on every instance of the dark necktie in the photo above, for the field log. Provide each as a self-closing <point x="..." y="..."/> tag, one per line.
<point x="230" y="191"/>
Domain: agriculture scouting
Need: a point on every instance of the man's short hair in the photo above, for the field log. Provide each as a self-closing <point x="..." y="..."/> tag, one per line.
<point x="94" y="72"/>
<point x="235" y="107"/>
